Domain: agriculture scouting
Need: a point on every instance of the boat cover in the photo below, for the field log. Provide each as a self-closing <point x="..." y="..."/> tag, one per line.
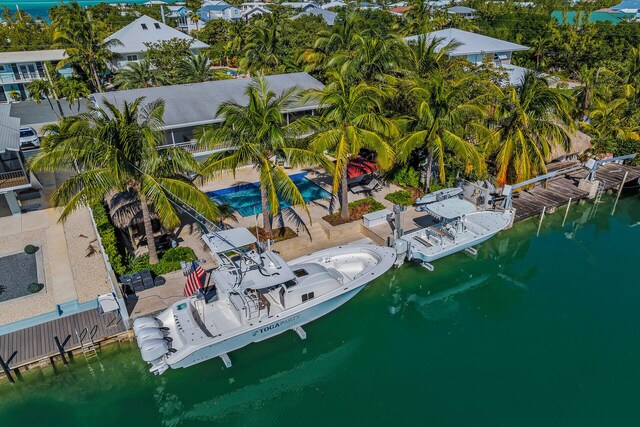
<point x="226" y="240"/>
<point x="451" y="208"/>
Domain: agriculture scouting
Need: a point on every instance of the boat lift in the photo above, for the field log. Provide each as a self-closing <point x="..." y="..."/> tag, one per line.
<point x="592" y="164"/>
<point x="508" y="190"/>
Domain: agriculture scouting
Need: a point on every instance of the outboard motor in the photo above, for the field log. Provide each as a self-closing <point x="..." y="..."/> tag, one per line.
<point x="144" y="322"/>
<point x="153" y="349"/>
<point x="145" y="334"/>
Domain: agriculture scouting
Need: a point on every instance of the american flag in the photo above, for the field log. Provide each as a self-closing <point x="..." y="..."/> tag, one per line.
<point x="194" y="281"/>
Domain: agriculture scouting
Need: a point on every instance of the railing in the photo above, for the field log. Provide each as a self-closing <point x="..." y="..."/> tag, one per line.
<point x="21" y="77"/>
<point x="194" y="148"/>
<point x="13" y="179"/>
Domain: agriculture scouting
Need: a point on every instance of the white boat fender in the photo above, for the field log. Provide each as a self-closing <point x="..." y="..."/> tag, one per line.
<point x="145" y="334"/>
<point x="153" y="349"/>
<point x="144" y="322"/>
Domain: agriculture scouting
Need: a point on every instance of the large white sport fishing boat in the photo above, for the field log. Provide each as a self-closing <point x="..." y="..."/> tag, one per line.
<point x="258" y="295"/>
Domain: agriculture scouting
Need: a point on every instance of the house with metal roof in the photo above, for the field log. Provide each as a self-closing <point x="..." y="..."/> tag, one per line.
<point x="18" y="69"/>
<point x="190" y="106"/>
<point x="13" y="174"/>
<point x="328" y="16"/>
<point x="627" y="6"/>
<point x="336" y="3"/>
<point x="463" y="11"/>
<point x="477" y="48"/>
<point x="220" y="10"/>
<point x="144" y="30"/>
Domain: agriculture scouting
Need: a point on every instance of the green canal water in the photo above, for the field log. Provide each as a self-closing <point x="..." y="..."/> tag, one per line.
<point x="542" y="328"/>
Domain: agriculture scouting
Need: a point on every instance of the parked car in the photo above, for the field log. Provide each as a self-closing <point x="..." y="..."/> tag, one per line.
<point x="29" y="137"/>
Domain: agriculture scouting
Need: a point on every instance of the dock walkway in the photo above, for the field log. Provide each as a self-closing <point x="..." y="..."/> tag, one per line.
<point x="559" y="189"/>
<point x="37" y="342"/>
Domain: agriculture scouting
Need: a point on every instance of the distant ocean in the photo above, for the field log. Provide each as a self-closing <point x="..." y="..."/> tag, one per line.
<point x="38" y="8"/>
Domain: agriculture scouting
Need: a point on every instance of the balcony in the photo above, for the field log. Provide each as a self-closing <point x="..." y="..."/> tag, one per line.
<point x="12" y="179"/>
<point x="194" y="148"/>
<point x="22" y="77"/>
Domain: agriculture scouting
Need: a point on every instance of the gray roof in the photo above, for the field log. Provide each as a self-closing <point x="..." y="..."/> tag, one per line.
<point x="32" y="56"/>
<point x="460" y="9"/>
<point x="133" y="36"/>
<point x="9" y="129"/>
<point x="31" y="113"/>
<point x="196" y="104"/>
<point x="328" y="16"/>
<point x="470" y="43"/>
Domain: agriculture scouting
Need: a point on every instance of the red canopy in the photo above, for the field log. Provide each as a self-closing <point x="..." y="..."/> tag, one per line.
<point x="360" y="166"/>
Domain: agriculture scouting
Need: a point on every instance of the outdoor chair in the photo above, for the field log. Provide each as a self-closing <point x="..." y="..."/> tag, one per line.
<point x="371" y="186"/>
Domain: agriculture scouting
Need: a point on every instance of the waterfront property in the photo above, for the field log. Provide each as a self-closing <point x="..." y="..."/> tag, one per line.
<point x="18" y="69"/>
<point x="190" y="106"/>
<point x="144" y="30"/>
<point x="477" y="49"/>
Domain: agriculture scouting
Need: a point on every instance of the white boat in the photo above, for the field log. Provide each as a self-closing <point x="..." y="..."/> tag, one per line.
<point x="437" y="196"/>
<point x="258" y="295"/>
<point x="459" y="225"/>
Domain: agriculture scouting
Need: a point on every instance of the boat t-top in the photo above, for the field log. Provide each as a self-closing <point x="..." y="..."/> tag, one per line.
<point x="457" y="225"/>
<point x="257" y="295"/>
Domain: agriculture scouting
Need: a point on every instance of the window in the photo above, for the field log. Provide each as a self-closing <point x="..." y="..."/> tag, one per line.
<point x="155" y="24"/>
<point x="132" y="57"/>
<point x="300" y="273"/>
<point x="307" y="297"/>
<point x="144" y="26"/>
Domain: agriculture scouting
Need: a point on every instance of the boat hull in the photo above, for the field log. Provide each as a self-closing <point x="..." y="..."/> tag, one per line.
<point x="426" y="258"/>
<point x="277" y="325"/>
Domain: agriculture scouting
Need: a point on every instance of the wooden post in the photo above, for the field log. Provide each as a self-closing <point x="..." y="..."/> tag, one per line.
<point x="5" y="366"/>
<point x="624" y="180"/>
<point x="544" y="209"/>
<point x="566" y="212"/>
<point x="61" y="348"/>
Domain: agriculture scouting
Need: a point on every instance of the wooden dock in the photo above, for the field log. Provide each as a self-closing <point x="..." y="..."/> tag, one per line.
<point x="37" y="342"/>
<point x="564" y="186"/>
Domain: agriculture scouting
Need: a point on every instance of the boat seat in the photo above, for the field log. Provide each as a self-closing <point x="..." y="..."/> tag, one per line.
<point x="423" y="241"/>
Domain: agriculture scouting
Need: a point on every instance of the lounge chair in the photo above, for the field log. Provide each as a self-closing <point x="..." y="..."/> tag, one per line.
<point x="371" y="186"/>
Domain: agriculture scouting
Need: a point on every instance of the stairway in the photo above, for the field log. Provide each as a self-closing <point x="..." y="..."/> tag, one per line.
<point x="87" y="345"/>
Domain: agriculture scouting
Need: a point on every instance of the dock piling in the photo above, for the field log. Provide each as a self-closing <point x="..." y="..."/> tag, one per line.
<point x="624" y="180"/>
<point x="567" y="211"/>
<point x="61" y="347"/>
<point x="544" y="209"/>
<point x="5" y="366"/>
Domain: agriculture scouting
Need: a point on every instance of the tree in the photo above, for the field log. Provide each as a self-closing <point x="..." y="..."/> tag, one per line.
<point x="427" y="56"/>
<point x="73" y="89"/>
<point x="196" y="69"/>
<point x="195" y="19"/>
<point x="352" y="119"/>
<point x="84" y="40"/>
<point x="440" y="123"/>
<point x="166" y="56"/>
<point x="258" y="132"/>
<point x="135" y="75"/>
<point x="117" y="150"/>
<point x="263" y="52"/>
<point x="527" y="122"/>
<point x="39" y="89"/>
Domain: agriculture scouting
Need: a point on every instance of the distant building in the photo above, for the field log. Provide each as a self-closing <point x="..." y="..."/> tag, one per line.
<point x="331" y="4"/>
<point x="328" y="16"/>
<point x="254" y="11"/>
<point x="477" y="48"/>
<point x="221" y="10"/>
<point x="18" y="69"/>
<point x="602" y="15"/>
<point x="399" y="10"/>
<point x="146" y="30"/>
<point x="628" y="6"/>
<point x="463" y="11"/>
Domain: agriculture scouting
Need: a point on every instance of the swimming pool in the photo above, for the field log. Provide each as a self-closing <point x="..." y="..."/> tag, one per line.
<point x="245" y="199"/>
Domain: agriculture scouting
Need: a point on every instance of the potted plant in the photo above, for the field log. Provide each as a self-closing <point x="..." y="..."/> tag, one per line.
<point x="15" y="96"/>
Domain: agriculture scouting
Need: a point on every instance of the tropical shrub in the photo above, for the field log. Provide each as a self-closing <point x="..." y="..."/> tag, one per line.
<point x="405" y="177"/>
<point x="169" y="261"/>
<point x="30" y="249"/>
<point x="357" y="210"/>
<point x="108" y="237"/>
<point x="401" y="197"/>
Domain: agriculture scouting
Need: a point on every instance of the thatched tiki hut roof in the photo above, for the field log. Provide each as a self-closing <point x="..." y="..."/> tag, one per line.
<point x="580" y="142"/>
<point x="125" y="210"/>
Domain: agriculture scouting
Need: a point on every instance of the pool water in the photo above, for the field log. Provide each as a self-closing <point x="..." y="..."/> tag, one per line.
<point x="245" y="199"/>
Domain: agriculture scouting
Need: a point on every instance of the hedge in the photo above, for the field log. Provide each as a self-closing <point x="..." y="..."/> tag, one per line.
<point x="109" y="241"/>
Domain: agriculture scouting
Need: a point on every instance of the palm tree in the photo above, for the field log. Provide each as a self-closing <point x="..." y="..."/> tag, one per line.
<point x="135" y="75"/>
<point x="440" y="123"/>
<point x="84" y="40"/>
<point x="196" y="69"/>
<point x="539" y="47"/>
<point x="258" y="132"/>
<point x="352" y="120"/>
<point x="194" y="18"/>
<point x="117" y="150"/>
<point x="427" y="56"/>
<point x="74" y="90"/>
<point x="39" y="89"/>
<point x="263" y="52"/>
<point x="528" y="121"/>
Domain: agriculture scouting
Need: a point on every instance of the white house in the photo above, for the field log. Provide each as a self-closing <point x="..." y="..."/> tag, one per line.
<point x="328" y="16"/>
<point x="146" y="30"/>
<point x="476" y="48"/>
<point x="220" y="10"/>
<point x="463" y="11"/>
<point x="254" y="11"/>
<point x="300" y="5"/>
<point x="331" y="4"/>
<point x="18" y="69"/>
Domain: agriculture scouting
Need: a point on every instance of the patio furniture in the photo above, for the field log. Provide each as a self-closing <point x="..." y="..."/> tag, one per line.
<point x="371" y="186"/>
